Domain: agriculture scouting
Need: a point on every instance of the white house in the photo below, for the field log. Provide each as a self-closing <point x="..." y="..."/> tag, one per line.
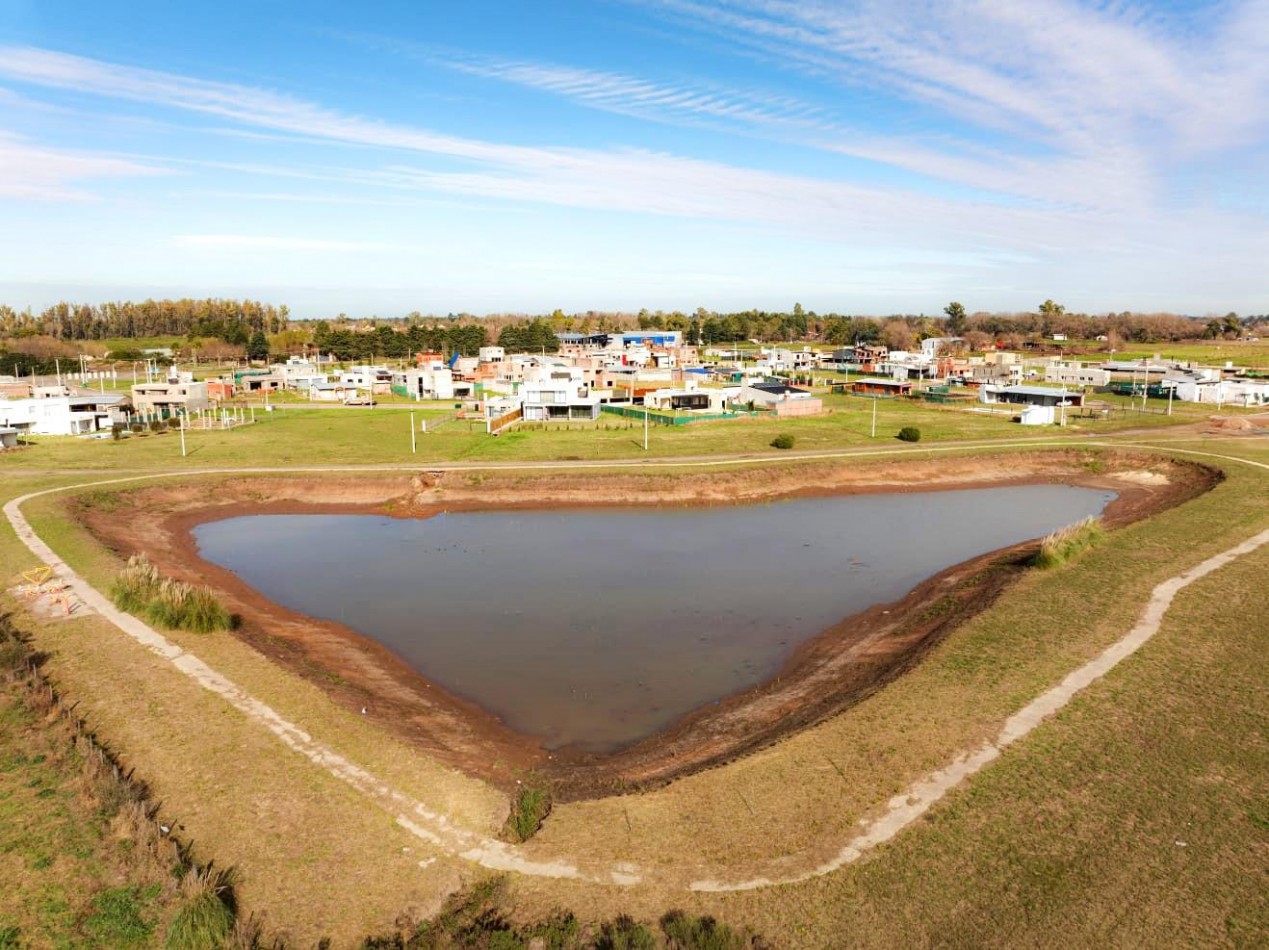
<point x="63" y="415"/>
<point x="1075" y="374"/>
<point x="426" y="382"/>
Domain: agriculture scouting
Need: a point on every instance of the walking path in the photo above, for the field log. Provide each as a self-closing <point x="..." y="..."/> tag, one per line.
<point x="437" y="829"/>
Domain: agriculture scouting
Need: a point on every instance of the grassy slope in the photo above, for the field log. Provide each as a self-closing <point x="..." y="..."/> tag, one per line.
<point x="309" y="825"/>
<point x="68" y="879"/>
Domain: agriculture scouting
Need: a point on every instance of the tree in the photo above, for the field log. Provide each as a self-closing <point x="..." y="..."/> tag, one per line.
<point x="898" y="335"/>
<point x="955" y="318"/>
<point x="1051" y="309"/>
<point x="258" y="346"/>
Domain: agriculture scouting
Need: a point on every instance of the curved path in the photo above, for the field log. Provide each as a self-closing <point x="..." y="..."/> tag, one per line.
<point x="436" y="829"/>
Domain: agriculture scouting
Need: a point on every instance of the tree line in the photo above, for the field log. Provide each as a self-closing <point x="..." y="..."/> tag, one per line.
<point x="232" y="321"/>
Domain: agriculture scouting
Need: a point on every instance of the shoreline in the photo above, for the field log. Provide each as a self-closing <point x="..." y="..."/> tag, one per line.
<point x="825" y="675"/>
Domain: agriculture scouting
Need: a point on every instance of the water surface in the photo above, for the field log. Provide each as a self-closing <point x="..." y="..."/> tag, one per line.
<point x="600" y="626"/>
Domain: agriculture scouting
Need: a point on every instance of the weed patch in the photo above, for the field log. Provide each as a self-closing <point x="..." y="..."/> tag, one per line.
<point x="529" y="809"/>
<point x="1069" y="543"/>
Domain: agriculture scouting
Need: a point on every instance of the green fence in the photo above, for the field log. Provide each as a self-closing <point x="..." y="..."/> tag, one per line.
<point x="661" y="419"/>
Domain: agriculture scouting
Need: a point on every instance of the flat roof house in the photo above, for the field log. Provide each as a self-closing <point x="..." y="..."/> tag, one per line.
<point x="1030" y="396"/>
<point x="166" y="399"/>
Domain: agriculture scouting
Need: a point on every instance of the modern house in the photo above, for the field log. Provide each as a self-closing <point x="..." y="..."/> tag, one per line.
<point x="783" y="400"/>
<point x="1030" y="396"/>
<point x="63" y="415"/>
<point x="170" y="398"/>
<point x="558" y="394"/>
<point x="1075" y="374"/>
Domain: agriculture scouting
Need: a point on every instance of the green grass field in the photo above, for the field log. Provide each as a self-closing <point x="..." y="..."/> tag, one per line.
<point x="381" y="436"/>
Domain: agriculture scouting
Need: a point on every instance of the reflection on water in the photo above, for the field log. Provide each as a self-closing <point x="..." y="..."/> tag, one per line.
<point x="599" y="626"/>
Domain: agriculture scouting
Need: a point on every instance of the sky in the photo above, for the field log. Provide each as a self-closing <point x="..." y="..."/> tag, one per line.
<point x="507" y="156"/>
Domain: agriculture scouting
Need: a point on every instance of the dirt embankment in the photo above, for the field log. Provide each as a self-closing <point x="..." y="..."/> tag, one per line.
<point x="825" y="676"/>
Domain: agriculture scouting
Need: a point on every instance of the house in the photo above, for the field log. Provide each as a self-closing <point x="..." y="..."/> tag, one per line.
<point x="63" y="415"/>
<point x="690" y="398"/>
<point x="1030" y="396"/>
<point x="167" y="399"/>
<point x="784" y="401"/>
<point x="558" y="394"/>
<point x="220" y="390"/>
<point x="1075" y="374"/>
<point x="433" y="381"/>
<point x="881" y="387"/>
<point x="330" y="392"/>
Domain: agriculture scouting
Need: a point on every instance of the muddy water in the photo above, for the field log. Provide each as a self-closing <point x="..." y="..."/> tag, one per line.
<point x="597" y="627"/>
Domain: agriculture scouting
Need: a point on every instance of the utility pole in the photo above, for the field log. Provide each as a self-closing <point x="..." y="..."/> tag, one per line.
<point x="874" y="415"/>
<point x="414" y="438"/>
<point x="645" y="422"/>
<point x="182" y="435"/>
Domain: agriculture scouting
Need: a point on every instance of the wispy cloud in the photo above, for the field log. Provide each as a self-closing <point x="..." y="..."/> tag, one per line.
<point x="278" y="243"/>
<point x="629" y="179"/>
<point x="46" y="174"/>
<point x="645" y="98"/>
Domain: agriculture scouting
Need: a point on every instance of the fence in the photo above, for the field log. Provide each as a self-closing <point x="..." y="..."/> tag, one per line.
<point x="506" y="420"/>
<point x="660" y="419"/>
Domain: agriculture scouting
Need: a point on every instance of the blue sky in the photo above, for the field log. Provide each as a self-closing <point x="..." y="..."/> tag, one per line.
<point x="488" y="156"/>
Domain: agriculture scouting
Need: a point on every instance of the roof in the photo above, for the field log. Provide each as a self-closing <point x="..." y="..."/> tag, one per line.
<point x="1036" y="391"/>
<point x="777" y="389"/>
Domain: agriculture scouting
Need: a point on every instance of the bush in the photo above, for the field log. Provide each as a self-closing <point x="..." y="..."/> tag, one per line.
<point x="162" y="601"/>
<point x="698" y="933"/>
<point x="909" y="434"/>
<point x="117" y="430"/>
<point x="783" y="441"/>
<point x="156" y="425"/>
<point x="528" y="811"/>
<point x="173" y="422"/>
<point x="625" y="933"/>
<point x="204" y="922"/>
<point x="136" y="427"/>
<point x="1069" y="543"/>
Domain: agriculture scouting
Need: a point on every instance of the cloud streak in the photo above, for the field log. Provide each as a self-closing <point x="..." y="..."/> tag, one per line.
<point x="38" y="173"/>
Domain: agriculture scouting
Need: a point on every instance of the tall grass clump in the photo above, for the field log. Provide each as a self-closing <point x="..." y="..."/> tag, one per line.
<point x="528" y="810"/>
<point x="135" y="585"/>
<point x="141" y="589"/>
<point x="1070" y="542"/>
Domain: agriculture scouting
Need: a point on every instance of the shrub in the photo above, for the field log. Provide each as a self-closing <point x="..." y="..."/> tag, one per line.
<point x="173" y="422"/>
<point x="156" y="425"/>
<point x="141" y="589"/>
<point x="698" y="933"/>
<point x="135" y="584"/>
<point x="1069" y="543"/>
<point x="783" y="441"/>
<point x="909" y="434"/>
<point x="625" y="933"/>
<point x="528" y="811"/>
<point x="116" y="431"/>
<point x="204" y="922"/>
<point x="136" y="427"/>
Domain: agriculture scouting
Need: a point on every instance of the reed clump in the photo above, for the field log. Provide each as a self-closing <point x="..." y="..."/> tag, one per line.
<point x="140" y="589"/>
<point x="1069" y="543"/>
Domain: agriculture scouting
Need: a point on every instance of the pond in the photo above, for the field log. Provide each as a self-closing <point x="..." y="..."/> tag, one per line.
<point x="596" y="627"/>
